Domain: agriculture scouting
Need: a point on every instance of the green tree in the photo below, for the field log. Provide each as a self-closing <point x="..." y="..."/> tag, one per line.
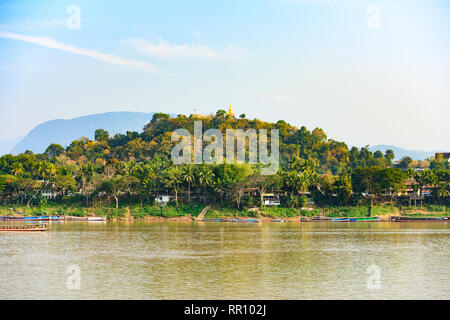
<point x="3" y="183"/>
<point x="172" y="180"/>
<point x="423" y="179"/>
<point x="389" y="156"/>
<point x="28" y="189"/>
<point x="263" y="183"/>
<point x="116" y="186"/>
<point x="405" y="162"/>
<point x="391" y="180"/>
<point x="237" y="179"/>
<point x="443" y="192"/>
<point x="365" y="181"/>
<point x="220" y="113"/>
<point x="101" y="135"/>
<point x="205" y="178"/>
<point x="47" y="171"/>
<point x="342" y="186"/>
<point x="17" y="169"/>
<point x="188" y="176"/>
<point x="64" y="184"/>
<point x="411" y="175"/>
<point x="54" y="150"/>
<point x="84" y="175"/>
<point x="378" y="154"/>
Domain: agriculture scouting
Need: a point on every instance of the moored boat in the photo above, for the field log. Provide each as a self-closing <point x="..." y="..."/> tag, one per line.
<point x="23" y="227"/>
<point x="92" y="219"/>
<point x="345" y="219"/>
<point x="418" y="219"/>
<point x="242" y="220"/>
<point x="32" y="218"/>
<point x="230" y="220"/>
<point x="279" y="220"/>
<point x="340" y="219"/>
<point x="365" y="219"/>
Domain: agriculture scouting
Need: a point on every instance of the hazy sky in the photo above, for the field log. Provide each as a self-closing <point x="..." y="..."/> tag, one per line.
<point x="367" y="72"/>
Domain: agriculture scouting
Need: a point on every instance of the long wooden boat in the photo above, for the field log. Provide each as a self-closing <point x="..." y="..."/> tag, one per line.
<point x="215" y="220"/>
<point x="69" y="218"/>
<point x="32" y="218"/>
<point x="231" y="220"/>
<point x="344" y="219"/>
<point x="244" y="220"/>
<point x="315" y="219"/>
<point x="418" y="219"/>
<point x="365" y="219"/>
<point x="280" y="220"/>
<point x="23" y="227"/>
<point x="340" y="219"/>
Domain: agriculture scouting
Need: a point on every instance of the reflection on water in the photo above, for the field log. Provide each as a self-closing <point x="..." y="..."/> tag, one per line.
<point x="227" y="261"/>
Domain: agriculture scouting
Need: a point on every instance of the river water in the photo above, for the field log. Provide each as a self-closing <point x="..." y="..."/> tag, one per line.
<point x="107" y="260"/>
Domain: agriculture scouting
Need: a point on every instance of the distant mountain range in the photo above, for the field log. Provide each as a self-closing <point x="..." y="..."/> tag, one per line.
<point x="63" y="132"/>
<point x="400" y="152"/>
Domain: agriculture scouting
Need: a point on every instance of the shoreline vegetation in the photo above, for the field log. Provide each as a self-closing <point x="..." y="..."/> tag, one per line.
<point x="132" y="176"/>
<point x="189" y="213"/>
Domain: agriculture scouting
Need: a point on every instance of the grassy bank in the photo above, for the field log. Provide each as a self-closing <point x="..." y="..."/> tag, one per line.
<point x="356" y="211"/>
<point x="135" y="211"/>
<point x="194" y="210"/>
<point x="429" y="210"/>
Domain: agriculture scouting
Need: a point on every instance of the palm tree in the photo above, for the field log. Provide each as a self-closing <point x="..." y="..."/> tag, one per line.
<point x="412" y="174"/>
<point x="188" y="176"/>
<point x="296" y="164"/>
<point x="172" y="179"/>
<point x="17" y="169"/>
<point x="148" y="185"/>
<point x="434" y="182"/>
<point x="205" y="179"/>
<point x="219" y="187"/>
<point x="304" y="182"/>
<point x="300" y="182"/>
<point x="133" y="168"/>
<point x="291" y="181"/>
<point x="423" y="178"/>
<point x="47" y="171"/>
<point x="443" y="192"/>
<point x="85" y="173"/>
<point x="66" y="170"/>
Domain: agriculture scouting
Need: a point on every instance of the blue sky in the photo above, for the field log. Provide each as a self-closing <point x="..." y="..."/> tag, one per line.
<point x="364" y="76"/>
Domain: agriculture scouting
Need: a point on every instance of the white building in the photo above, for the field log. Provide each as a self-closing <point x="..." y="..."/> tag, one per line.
<point x="49" y="194"/>
<point x="162" y="199"/>
<point x="270" y="199"/>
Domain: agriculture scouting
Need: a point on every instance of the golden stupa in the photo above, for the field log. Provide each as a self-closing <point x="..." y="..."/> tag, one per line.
<point x="230" y="112"/>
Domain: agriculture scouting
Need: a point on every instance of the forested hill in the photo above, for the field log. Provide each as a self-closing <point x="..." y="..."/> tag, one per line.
<point x="63" y="132"/>
<point x="137" y="165"/>
<point x="327" y="155"/>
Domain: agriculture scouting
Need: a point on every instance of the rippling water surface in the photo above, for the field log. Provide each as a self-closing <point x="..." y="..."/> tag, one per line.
<point x="227" y="261"/>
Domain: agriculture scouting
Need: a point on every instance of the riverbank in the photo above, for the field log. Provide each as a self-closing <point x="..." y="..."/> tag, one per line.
<point x="189" y="213"/>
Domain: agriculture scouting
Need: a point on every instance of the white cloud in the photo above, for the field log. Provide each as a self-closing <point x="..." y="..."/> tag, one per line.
<point x="15" y="3"/>
<point x="20" y="25"/>
<point x="105" y="57"/>
<point x="163" y="49"/>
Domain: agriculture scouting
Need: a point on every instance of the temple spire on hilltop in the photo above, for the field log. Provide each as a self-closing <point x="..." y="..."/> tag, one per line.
<point x="230" y="112"/>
